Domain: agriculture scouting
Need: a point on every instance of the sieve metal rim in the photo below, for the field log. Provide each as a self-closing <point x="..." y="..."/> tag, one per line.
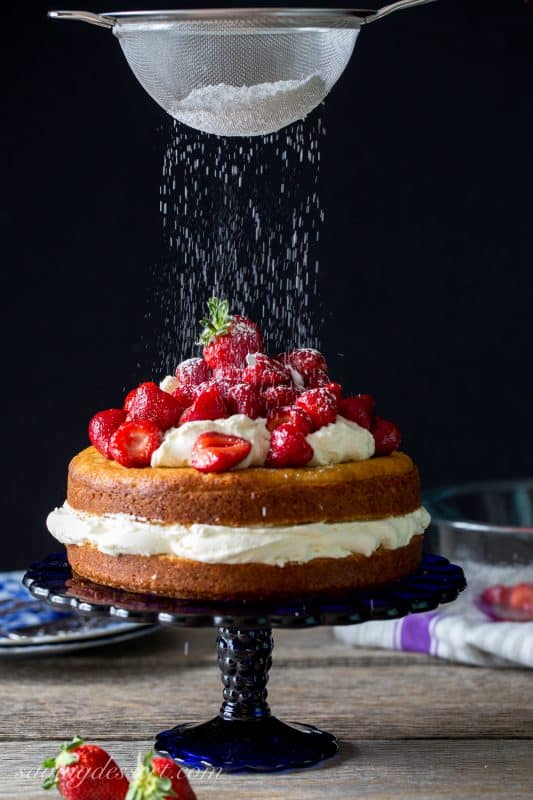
<point x="326" y="18"/>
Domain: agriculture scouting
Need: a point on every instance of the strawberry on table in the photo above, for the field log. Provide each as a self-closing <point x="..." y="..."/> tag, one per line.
<point x="320" y="404"/>
<point x="133" y="444"/>
<point x="149" y="403"/>
<point x="158" y="778"/>
<point x="85" y="772"/>
<point x="209" y="404"/>
<point x="227" y="338"/>
<point x="288" y="448"/>
<point x="217" y="452"/>
<point x="386" y="436"/>
<point x="102" y="426"/>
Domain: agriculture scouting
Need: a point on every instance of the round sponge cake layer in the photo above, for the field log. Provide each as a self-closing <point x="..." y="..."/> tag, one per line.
<point x="179" y="577"/>
<point x="373" y="489"/>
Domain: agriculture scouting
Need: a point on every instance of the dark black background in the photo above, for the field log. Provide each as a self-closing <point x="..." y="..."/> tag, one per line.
<point x="426" y="251"/>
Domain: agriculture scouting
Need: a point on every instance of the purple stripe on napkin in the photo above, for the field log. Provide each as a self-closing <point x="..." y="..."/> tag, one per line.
<point x="415" y="632"/>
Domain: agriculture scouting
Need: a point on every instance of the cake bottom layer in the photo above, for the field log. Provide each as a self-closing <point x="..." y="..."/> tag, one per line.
<point x="171" y="576"/>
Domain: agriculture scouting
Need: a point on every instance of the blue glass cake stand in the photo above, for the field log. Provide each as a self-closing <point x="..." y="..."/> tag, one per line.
<point x="245" y="735"/>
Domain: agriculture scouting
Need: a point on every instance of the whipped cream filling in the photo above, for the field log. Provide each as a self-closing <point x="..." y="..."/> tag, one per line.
<point x="217" y="544"/>
<point x="340" y="441"/>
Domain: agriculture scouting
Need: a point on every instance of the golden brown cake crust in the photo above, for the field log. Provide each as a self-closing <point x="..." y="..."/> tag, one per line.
<point x="179" y="577"/>
<point x="373" y="489"/>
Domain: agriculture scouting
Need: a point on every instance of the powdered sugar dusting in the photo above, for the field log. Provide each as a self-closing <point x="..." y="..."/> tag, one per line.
<point x="249" y="110"/>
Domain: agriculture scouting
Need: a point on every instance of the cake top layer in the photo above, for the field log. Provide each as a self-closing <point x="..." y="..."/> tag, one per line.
<point x="238" y="408"/>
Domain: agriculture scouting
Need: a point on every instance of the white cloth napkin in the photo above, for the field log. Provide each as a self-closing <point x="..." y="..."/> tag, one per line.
<point x="458" y="631"/>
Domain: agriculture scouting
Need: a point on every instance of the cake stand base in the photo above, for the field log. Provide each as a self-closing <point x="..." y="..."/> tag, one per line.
<point x="260" y="745"/>
<point x="245" y="735"/>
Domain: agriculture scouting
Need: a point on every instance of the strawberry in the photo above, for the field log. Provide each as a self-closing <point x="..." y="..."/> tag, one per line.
<point x="336" y="389"/>
<point x="228" y="339"/>
<point x="229" y="374"/>
<point x="316" y="378"/>
<point x="386" y="436"/>
<point x="184" y="394"/>
<point x="85" y="772"/>
<point x="305" y="360"/>
<point x="133" y="443"/>
<point x="288" y="448"/>
<point x="521" y="596"/>
<point x="218" y="452"/>
<point x="102" y="426"/>
<point x="358" y="409"/>
<point x="209" y="404"/>
<point x="244" y="399"/>
<point x="158" y="778"/>
<point x="149" y="403"/>
<point x="320" y="404"/>
<point x="192" y="372"/>
<point x="297" y="417"/>
<point x="276" y="396"/>
<point x="264" y="371"/>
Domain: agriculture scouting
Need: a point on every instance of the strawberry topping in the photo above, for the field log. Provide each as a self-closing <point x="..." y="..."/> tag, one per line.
<point x="244" y="399"/>
<point x="218" y="452"/>
<point x="358" y="409"/>
<point x="276" y="396"/>
<point x="102" y="426"/>
<point x="133" y="443"/>
<point x="192" y="372"/>
<point x="229" y="374"/>
<point x="305" y="360"/>
<point x="288" y="448"/>
<point x="320" y="404"/>
<point x="386" y="435"/>
<point x="209" y="404"/>
<point x="263" y="371"/>
<point x="316" y="378"/>
<point x="149" y="403"/>
<point x="297" y="417"/>
<point x="228" y="339"/>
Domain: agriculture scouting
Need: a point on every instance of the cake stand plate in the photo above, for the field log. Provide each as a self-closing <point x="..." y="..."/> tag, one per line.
<point x="245" y="735"/>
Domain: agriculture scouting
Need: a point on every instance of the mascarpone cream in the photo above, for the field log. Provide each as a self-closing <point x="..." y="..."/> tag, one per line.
<point x="216" y="544"/>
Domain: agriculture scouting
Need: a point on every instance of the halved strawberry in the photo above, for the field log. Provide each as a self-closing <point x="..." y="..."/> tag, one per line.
<point x="102" y="426"/>
<point x="358" y="409"/>
<point x="133" y="443"/>
<point x="244" y="399"/>
<point x="218" y="452"/>
<point x="227" y="338"/>
<point x="288" y="448"/>
<point x="320" y="404"/>
<point x="277" y="396"/>
<point x="297" y="417"/>
<point x="209" y="404"/>
<point x="149" y="403"/>
<point x="386" y="436"/>
<point x="184" y="395"/>
<point x="263" y="371"/>
<point x="192" y="371"/>
<point x="304" y="360"/>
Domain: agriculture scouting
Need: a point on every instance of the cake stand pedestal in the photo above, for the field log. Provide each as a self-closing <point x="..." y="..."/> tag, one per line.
<point x="245" y="735"/>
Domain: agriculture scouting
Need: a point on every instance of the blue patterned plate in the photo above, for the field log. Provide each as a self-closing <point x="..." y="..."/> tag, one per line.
<point x="29" y="625"/>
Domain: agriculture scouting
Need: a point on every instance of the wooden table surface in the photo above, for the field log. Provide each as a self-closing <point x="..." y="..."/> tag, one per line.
<point x="409" y="726"/>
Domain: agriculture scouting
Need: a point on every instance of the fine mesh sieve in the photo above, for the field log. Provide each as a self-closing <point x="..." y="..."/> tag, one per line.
<point x="237" y="72"/>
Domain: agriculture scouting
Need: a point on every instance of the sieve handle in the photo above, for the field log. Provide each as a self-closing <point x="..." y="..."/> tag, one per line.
<point x="84" y="16"/>
<point x="385" y="10"/>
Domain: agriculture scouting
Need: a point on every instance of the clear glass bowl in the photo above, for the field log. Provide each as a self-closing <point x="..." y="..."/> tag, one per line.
<point x="487" y="528"/>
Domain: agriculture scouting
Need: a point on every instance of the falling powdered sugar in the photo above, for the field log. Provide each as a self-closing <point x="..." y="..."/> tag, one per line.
<point x="256" y="110"/>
